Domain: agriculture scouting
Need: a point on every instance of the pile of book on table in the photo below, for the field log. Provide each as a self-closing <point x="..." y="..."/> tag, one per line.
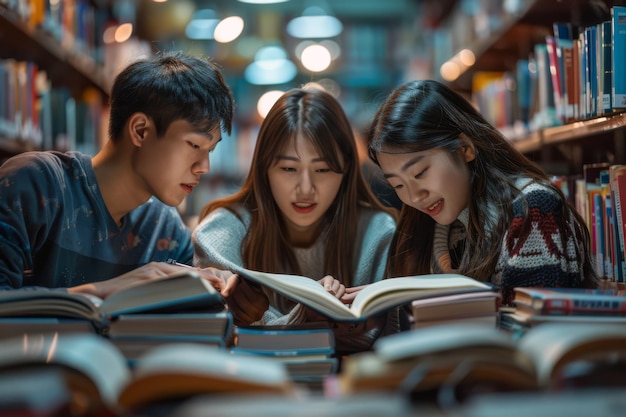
<point x="537" y="306"/>
<point x="181" y="307"/>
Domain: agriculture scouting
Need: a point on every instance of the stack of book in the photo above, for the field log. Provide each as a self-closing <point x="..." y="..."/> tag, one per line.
<point x="91" y="377"/>
<point x="463" y="360"/>
<point x="536" y="306"/>
<point x="181" y="307"/>
<point x="307" y="350"/>
<point x="470" y="307"/>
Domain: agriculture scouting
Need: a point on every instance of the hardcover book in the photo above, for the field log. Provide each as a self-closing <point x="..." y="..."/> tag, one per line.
<point x="570" y="301"/>
<point x="479" y="356"/>
<point x="375" y="298"/>
<point x="185" y="291"/>
<point x="99" y="377"/>
<point x="618" y="32"/>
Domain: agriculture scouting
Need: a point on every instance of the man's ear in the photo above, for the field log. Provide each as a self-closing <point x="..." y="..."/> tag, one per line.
<point x="468" y="150"/>
<point x="138" y="124"/>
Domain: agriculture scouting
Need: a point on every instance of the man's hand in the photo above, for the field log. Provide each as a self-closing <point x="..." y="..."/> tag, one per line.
<point x="150" y="271"/>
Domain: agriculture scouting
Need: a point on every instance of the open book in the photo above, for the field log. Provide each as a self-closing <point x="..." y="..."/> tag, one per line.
<point x="375" y="298"/>
<point x="429" y="358"/>
<point x="184" y="291"/>
<point x="99" y="377"/>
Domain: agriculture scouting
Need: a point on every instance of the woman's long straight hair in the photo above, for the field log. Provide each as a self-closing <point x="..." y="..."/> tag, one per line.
<point x="425" y="114"/>
<point x="317" y="116"/>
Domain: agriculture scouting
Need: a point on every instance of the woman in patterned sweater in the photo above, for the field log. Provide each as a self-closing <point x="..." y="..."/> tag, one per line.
<point x="472" y="203"/>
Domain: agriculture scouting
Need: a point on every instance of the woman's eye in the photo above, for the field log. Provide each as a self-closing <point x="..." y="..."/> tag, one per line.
<point x="193" y="145"/>
<point x="397" y="187"/>
<point x="421" y="173"/>
<point x="323" y="170"/>
<point x="288" y="169"/>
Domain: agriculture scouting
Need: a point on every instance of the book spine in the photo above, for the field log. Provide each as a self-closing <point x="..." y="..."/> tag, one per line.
<point x="606" y="66"/>
<point x="583" y="306"/>
<point x="618" y="26"/>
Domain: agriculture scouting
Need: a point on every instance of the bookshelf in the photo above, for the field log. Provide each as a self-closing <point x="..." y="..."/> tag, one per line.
<point x="500" y="34"/>
<point x="59" y="102"/>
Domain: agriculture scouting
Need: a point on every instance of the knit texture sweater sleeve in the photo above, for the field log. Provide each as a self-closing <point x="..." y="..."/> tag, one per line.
<point x="535" y="250"/>
<point x="217" y="240"/>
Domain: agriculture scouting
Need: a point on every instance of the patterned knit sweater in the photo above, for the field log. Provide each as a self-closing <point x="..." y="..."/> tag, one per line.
<point x="534" y="251"/>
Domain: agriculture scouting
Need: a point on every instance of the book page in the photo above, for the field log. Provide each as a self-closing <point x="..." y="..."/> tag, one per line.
<point x="49" y="303"/>
<point x="303" y="290"/>
<point x="89" y="354"/>
<point x="185" y="289"/>
<point x="179" y="370"/>
<point x="392" y="292"/>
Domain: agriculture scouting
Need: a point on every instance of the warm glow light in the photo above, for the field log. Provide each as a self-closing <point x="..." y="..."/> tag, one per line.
<point x="228" y="29"/>
<point x="450" y="71"/>
<point x="108" y="37"/>
<point x="266" y="101"/>
<point x="123" y="32"/>
<point x="315" y="58"/>
<point x="467" y="57"/>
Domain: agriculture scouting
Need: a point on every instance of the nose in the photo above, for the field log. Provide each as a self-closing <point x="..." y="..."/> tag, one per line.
<point x="305" y="183"/>
<point x="202" y="166"/>
<point x="417" y="194"/>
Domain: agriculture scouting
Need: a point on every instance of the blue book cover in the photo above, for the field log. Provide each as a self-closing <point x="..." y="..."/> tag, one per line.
<point x="606" y="43"/>
<point x="618" y="29"/>
<point x="598" y="208"/>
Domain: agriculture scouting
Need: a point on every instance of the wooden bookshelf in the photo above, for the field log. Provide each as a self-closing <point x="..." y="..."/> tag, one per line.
<point x="499" y="46"/>
<point x="64" y="66"/>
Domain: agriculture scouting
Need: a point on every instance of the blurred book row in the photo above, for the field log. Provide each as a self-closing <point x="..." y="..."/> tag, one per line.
<point x="577" y="73"/>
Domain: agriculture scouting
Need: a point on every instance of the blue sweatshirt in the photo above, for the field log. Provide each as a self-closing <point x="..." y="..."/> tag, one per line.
<point x="55" y="229"/>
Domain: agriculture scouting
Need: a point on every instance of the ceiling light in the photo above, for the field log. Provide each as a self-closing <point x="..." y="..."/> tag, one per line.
<point x="263" y="1"/>
<point x="202" y="25"/>
<point x="315" y="58"/>
<point x="270" y="66"/>
<point x="314" y="23"/>
<point x="228" y="29"/>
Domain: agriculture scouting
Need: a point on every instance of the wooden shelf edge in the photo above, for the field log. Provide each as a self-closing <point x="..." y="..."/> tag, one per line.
<point x="570" y="132"/>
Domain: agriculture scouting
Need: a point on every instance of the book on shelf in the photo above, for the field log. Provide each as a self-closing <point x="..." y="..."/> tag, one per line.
<point x="618" y="54"/>
<point x="617" y="174"/>
<point x="570" y="301"/>
<point x="605" y="68"/>
<point x="98" y="375"/>
<point x="375" y="298"/>
<point x="425" y="360"/>
<point x="185" y="291"/>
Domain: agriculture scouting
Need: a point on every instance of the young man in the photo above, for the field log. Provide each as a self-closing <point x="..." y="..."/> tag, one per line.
<point x="96" y="225"/>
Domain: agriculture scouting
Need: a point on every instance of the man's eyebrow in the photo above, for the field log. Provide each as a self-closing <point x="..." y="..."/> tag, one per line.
<point x="406" y="165"/>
